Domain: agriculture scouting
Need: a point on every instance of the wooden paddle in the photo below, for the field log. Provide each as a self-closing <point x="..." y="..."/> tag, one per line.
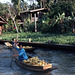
<point x="16" y="56"/>
<point x="13" y="56"/>
<point x="11" y="62"/>
<point x="12" y="59"/>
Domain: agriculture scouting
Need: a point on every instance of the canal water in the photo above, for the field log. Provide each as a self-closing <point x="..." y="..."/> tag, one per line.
<point x="64" y="61"/>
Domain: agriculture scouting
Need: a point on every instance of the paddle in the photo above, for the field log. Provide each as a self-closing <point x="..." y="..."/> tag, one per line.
<point x="12" y="59"/>
<point x="11" y="62"/>
<point x="13" y="56"/>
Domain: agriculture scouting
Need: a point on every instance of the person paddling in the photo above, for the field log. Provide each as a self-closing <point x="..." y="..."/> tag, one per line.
<point x="13" y="42"/>
<point x="22" y="54"/>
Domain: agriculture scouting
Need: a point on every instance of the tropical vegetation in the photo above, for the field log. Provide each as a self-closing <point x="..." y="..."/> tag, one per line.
<point x="54" y="25"/>
<point x="59" y="19"/>
<point x="68" y="38"/>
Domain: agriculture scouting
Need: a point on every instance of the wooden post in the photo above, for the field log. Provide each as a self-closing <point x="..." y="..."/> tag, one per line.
<point x="21" y="15"/>
<point x="35" y="19"/>
<point x="31" y="17"/>
<point x="35" y="22"/>
<point x="0" y="30"/>
<point x="73" y="26"/>
<point x="41" y="3"/>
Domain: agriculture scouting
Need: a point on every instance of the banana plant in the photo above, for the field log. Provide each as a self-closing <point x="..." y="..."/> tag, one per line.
<point x="60" y="17"/>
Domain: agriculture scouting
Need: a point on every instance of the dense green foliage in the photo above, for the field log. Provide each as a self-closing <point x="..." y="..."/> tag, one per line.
<point x="47" y="3"/>
<point x="39" y="37"/>
<point x="18" y="5"/>
<point x="9" y="13"/>
<point x="59" y="19"/>
<point x="3" y="10"/>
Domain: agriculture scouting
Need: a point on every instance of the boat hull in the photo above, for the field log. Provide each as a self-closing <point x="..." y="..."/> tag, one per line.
<point x="33" y="68"/>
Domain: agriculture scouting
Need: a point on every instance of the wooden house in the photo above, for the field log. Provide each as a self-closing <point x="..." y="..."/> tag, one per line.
<point x="2" y="21"/>
<point x="37" y="12"/>
<point x="34" y="15"/>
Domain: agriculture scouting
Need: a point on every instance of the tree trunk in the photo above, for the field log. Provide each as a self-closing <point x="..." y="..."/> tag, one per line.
<point x="15" y="24"/>
<point x="13" y="20"/>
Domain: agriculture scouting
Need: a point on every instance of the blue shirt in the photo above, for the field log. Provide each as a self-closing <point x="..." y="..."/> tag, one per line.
<point x="22" y="54"/>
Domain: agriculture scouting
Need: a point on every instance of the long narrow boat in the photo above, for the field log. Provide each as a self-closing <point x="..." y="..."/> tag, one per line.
<point x="27" y="48"/>
<point x="9" y="45"/>
<point x="46" y="68"/>
<point x="69" y="48"/>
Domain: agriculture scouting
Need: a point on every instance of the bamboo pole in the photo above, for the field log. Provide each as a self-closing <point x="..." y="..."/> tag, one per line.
<point x="35" y="19"/>
<point x="35" y="22"/>
<point x="41" y="3"/>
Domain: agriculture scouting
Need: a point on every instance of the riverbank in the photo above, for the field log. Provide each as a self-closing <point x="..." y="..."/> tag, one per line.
<point x="42" y="38"/>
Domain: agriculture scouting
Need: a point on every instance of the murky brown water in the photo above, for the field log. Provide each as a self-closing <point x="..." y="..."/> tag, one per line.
<point x="64" y="61"/>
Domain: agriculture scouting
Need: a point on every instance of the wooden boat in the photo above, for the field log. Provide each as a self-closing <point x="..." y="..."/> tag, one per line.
<point x="29" y="48"/>
<point x="46" y="68"/>
<point x="69" y="48"/>
<point x="8" y="45"/>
